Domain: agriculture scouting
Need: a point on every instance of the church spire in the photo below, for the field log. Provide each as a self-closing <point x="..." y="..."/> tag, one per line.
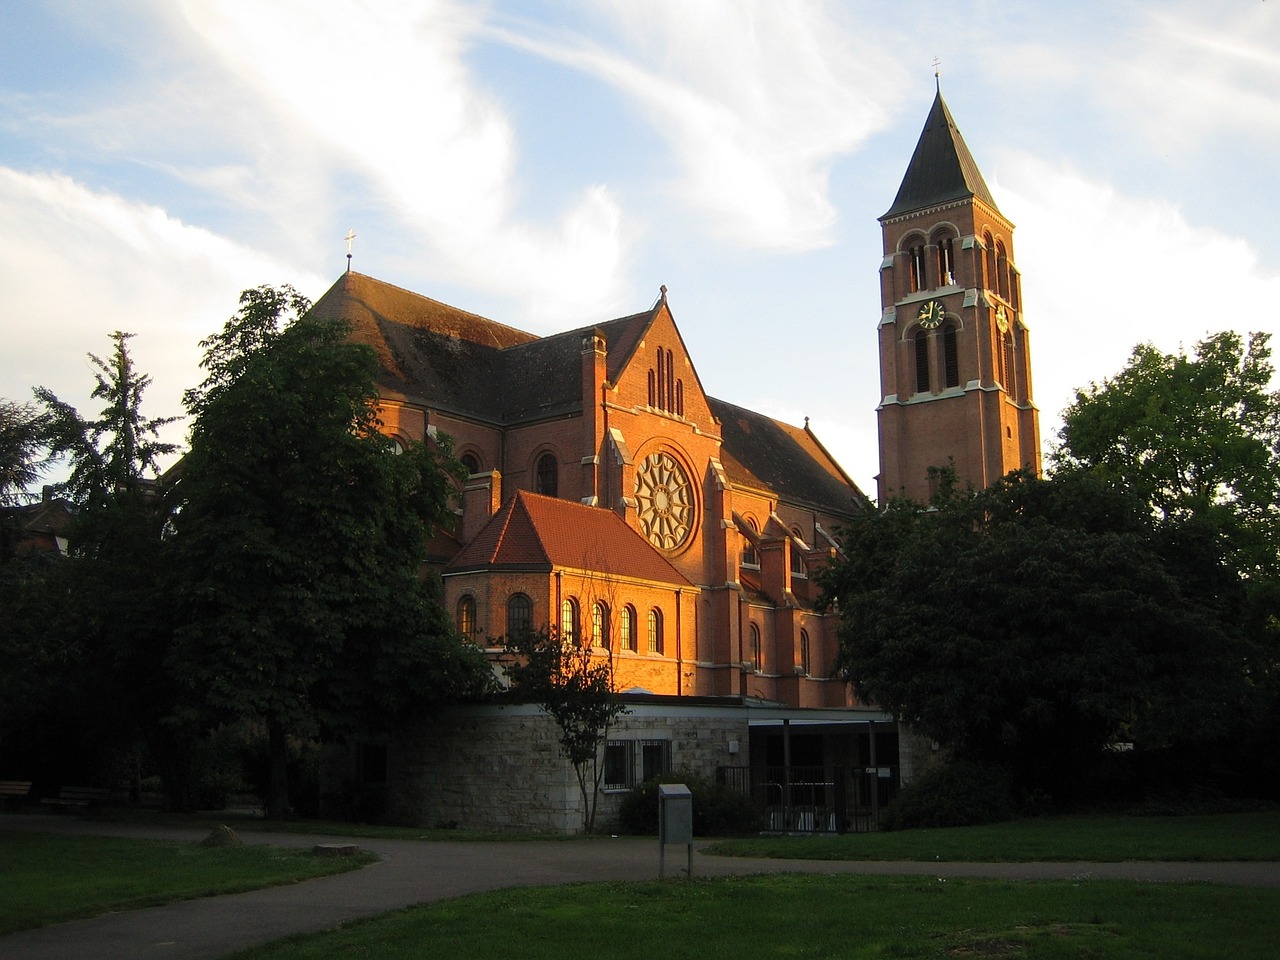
<point x="942" y="168"/>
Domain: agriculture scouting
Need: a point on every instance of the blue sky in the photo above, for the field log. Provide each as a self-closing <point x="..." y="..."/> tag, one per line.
<point x="550" y="164"/>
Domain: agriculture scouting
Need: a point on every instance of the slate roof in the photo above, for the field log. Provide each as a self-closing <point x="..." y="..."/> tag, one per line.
<point x="533" y="532"/>
<point x="761" y="452"/>
<point x="941" y="169"/>
<point x="464" y="363"/>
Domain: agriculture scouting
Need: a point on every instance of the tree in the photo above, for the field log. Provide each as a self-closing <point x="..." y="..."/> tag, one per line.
<point x="1191" y="436"/>
<point x="300" y="536"/>
<point x="575" y="687"/>
<point x="100" y="659"/>
<point x="1197" y="439"/>
<point x="22" y="443"/>
<point x="1036" y="622"/>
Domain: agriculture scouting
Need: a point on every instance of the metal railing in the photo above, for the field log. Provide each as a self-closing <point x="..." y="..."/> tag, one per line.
<point x="815" y="799"/>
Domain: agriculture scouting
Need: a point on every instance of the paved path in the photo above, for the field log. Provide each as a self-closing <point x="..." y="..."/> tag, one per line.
<point x="412" y="872"/>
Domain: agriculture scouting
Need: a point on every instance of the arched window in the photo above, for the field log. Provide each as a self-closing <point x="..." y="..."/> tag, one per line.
<point x="915" y="263"/>
<point x="989" y="260"/>
<point x="804" y="653"/>
<point x="569" y="620"/>
<point x="600" y="625"/>
<point x="671" y="384"/>
<point x="946" y="260"/>
<point x="757" y="659"/>
<point x="922" y="361"/>
<point x="627" y="629"/>
<point x="797" y="554"/>
<point x="471" y="462"/>
<point x="950" y="359"/>
<point x="662" y="379"/>
<point x="467" y="617"/>
<point x="519" y="616"/>
<point x="749" y="556"/>
<point x="655" y="630"/>
<point x="548" y="475"/>
<point x="1002" y="271"/>
<point x="679" y="398"/>
<point x="1010" y="369"/>
<point x="653" y="389"/>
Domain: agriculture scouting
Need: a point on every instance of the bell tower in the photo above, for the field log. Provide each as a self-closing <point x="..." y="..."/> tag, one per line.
<point x="955" y="353"/>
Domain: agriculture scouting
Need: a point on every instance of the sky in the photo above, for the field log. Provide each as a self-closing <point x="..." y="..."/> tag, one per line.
<point x="552" y="164"/>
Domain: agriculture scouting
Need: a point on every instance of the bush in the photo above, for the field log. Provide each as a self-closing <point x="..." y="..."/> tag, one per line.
<point x="956" y="794"/>
<point x="718" y="810"/>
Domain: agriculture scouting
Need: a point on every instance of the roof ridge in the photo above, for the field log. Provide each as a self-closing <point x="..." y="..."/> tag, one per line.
<point x="441" y="303"/>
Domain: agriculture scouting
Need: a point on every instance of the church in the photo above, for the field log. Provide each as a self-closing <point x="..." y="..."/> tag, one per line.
<point x="610" y="499"/>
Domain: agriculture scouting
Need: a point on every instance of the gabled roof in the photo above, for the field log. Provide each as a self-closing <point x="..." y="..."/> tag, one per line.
<point x="533" y="532"/>
<point x="942" y="168"/>
<point x="453" y="359"/>
<point x="768" y="454"/>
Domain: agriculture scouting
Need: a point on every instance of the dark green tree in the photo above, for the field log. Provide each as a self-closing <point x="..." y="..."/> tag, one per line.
<point x="1197" y="438"/>
<point x="22" y="450"/>
<point x="301" y="533"/>
<point x="1191" y="435"/>
<point x="575" y="687"/>
<point x="1034" y="623"/>
<point x="96" y="667"/>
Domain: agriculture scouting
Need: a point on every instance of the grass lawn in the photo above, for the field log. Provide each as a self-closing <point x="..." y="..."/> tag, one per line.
<point x="820" y="917"/>
<point x="1237" y="836"/>
<point x="46" y="878"/>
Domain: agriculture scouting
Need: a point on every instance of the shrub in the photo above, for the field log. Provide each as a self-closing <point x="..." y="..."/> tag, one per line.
<point x="718" y="810"/>
<point x="956" y="794"/>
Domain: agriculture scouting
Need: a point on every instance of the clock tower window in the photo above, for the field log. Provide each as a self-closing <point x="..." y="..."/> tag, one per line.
<point x="922" y="361"/>
<point x="946" y="260"/>
<point x="950" y="359"/>
<point x="1002" y="271"/>
<point x="915" y="257"/>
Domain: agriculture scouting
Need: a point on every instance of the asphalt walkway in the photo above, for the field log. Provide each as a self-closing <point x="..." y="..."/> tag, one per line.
<point x="412" y="872"/>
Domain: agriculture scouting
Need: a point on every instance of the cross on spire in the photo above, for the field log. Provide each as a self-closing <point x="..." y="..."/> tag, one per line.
<point x="351" y="239"/>
<point x="937" y="73"/>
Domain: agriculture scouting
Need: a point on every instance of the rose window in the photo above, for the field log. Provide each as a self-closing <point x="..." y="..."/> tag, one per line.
<point x="664" y="501"/>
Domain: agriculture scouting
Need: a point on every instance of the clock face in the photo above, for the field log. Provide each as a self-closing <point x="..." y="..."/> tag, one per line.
<point x="1002" y="319"/>
<point x="930" y="314"/>
<point x="664" y="501"/>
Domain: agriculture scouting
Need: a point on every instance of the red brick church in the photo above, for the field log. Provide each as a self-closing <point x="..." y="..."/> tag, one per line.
<point x="610" y="499"/>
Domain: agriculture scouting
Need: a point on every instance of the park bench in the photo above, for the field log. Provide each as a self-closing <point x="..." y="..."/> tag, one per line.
<point x="14" y="791"/>
<point x="82" y="797"/>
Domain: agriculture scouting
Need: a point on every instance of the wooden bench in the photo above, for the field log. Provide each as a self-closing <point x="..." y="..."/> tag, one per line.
<point x="14" y="791"/>
<point x="82" y="797"/>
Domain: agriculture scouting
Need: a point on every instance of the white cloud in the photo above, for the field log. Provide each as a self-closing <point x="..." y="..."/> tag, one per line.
<point x="385" y="90"/>
<point x="82" y="264"/>
<point x="1103" y="271"/>
<point x="755" y="99"/>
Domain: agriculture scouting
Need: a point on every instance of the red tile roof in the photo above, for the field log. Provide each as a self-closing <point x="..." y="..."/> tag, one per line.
<point x="531" y="531"/>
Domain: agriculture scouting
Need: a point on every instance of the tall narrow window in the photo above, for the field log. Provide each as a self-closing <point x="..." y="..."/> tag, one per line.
<point x="757" y="658"/>
<point x="1002" y="271"/>
<point x="655" y="630"/>
<point x="569" y="620"/>
<point x="804" y="653"/>
<point x="653" y="388"/>
<point x="548" y="475"/>
<point x="922" y="361"/>
<point x="671" y="384"/>
<point x="749" y="556"/>
<point x="950" y="359"/>
<point x="915" y="259"/>
<point x="627" y="628"/>
<point x="467" y="617"/>
<point x="946" y="261"/>
<point x="1010" y="370"/>
<point x="797" y="554"/>
<point x="679" y="398"/>
<point x="600" y="625"/>
<point x="989" y="259"/>
<point x="662" y="379"/>
<point x="519" y="616"/>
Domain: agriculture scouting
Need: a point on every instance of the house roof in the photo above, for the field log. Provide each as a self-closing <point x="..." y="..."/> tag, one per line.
<point x="761" y="452"/>
<point x="534" y="532"/>
<point x="941" y="169"/>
